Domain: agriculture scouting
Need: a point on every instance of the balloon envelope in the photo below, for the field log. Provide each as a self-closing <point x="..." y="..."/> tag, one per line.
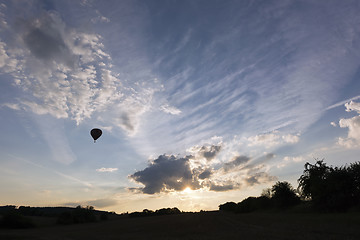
<point x="95" y="133"/>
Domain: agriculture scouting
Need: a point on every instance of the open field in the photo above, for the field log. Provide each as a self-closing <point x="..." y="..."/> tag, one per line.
<point x="203" y="225"/>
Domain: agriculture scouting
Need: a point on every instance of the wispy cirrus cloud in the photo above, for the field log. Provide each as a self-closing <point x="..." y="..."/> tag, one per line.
<point x="103" y="169"/>
<point x="272" y="139"/>
<point x="169" y="109"/>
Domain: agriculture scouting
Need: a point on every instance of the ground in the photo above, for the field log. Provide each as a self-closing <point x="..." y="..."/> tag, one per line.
<point x="203" y="225"/>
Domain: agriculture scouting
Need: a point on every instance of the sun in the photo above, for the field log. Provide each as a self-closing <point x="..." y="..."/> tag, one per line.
<point x="187" y="190"/>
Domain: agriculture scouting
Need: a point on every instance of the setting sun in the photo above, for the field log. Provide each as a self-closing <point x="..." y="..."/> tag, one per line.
<point x="187" y="190"/>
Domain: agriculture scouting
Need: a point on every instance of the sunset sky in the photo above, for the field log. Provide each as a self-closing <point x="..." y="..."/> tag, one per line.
<point x="201" y="102"/>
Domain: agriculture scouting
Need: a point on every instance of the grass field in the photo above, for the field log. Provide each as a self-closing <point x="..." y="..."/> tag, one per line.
<point x="203" y="225"/>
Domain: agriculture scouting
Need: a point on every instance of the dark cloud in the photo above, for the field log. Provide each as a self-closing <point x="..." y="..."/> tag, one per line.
<point x="166" y="173"/>
<point x="225" y="187"/>
<point x="269" y="156"/>
<point x="127" y="122"/>
<point x="252" y="180"/>
<point x="45" y="40"/>
<point x="210" y="152"/>
<point x="205" y="174"/>
<point x="260" y="177"/>
<point x="236" y="161"/>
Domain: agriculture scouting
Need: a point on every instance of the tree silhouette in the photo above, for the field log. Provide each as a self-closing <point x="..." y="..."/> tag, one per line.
<point x="312" y="181"/>
<point x="228" y="206"/>
<point x="283" y="195"/>
<point x="331" y="188"/>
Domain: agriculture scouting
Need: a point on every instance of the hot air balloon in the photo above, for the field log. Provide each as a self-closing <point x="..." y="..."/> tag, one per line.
<point x="95" y="133"/>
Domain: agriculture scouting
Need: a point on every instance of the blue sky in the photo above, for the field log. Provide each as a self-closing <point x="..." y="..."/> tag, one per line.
<point x="200" y="102"/>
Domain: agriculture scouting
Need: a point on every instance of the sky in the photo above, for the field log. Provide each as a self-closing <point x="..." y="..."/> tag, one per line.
<point x="200" y="102"/>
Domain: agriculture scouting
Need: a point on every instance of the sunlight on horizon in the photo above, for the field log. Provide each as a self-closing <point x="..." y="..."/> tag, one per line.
<point x="187" y="190"/>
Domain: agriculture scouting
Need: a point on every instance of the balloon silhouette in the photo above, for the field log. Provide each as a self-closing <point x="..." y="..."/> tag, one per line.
<point x="95" y="133"/>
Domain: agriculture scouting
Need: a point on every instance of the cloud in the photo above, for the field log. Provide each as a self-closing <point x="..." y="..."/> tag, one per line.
<point x="294" y="159"/>
<point x="333" y="124"/>
<point x="227" y="186"/>
<point x="170" y="173"/>
<point x="291" y="139"/>
<point x="287" y="160"/>
<point x="352" y="106"/>
<point x="209" y="152"/>
<point x="58" y="73"/>
<point x="272" y="139"/>
<point x="3" y="55"/>
<point x="106" y="169"/>
<point x="3" y="22"/>
<point x="67" y="73"/>
<point x="205" y="174"/>
<point x="353" y="125"/>
<point x="44" y="38"/>
<point x="268" y="139"/>
<point x="169" y="109"/>
<point x="260" y="177"/>
<point x="100" y="18"/>
<point x="343" y="102"/>
<point x="166" y="173"/>
<point x="269" y="156"/>
<point x="236" y="161"/>
<point x="8" y="61"/>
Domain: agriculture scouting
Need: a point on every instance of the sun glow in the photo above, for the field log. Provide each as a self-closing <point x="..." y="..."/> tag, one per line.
<point x="187" y="190"/>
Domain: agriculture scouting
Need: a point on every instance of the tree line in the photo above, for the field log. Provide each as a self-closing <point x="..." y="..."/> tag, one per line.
<point x="21" y="217"/>
<point x="321" y="187"/>
<point x="159" y="212"/>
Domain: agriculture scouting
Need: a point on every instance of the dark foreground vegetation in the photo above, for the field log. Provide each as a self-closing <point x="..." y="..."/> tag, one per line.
<point x="23" y="216"/>
<point x="203" y="225"/>
<point x="321" y="188"/>
<point x="159" y="212"/>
